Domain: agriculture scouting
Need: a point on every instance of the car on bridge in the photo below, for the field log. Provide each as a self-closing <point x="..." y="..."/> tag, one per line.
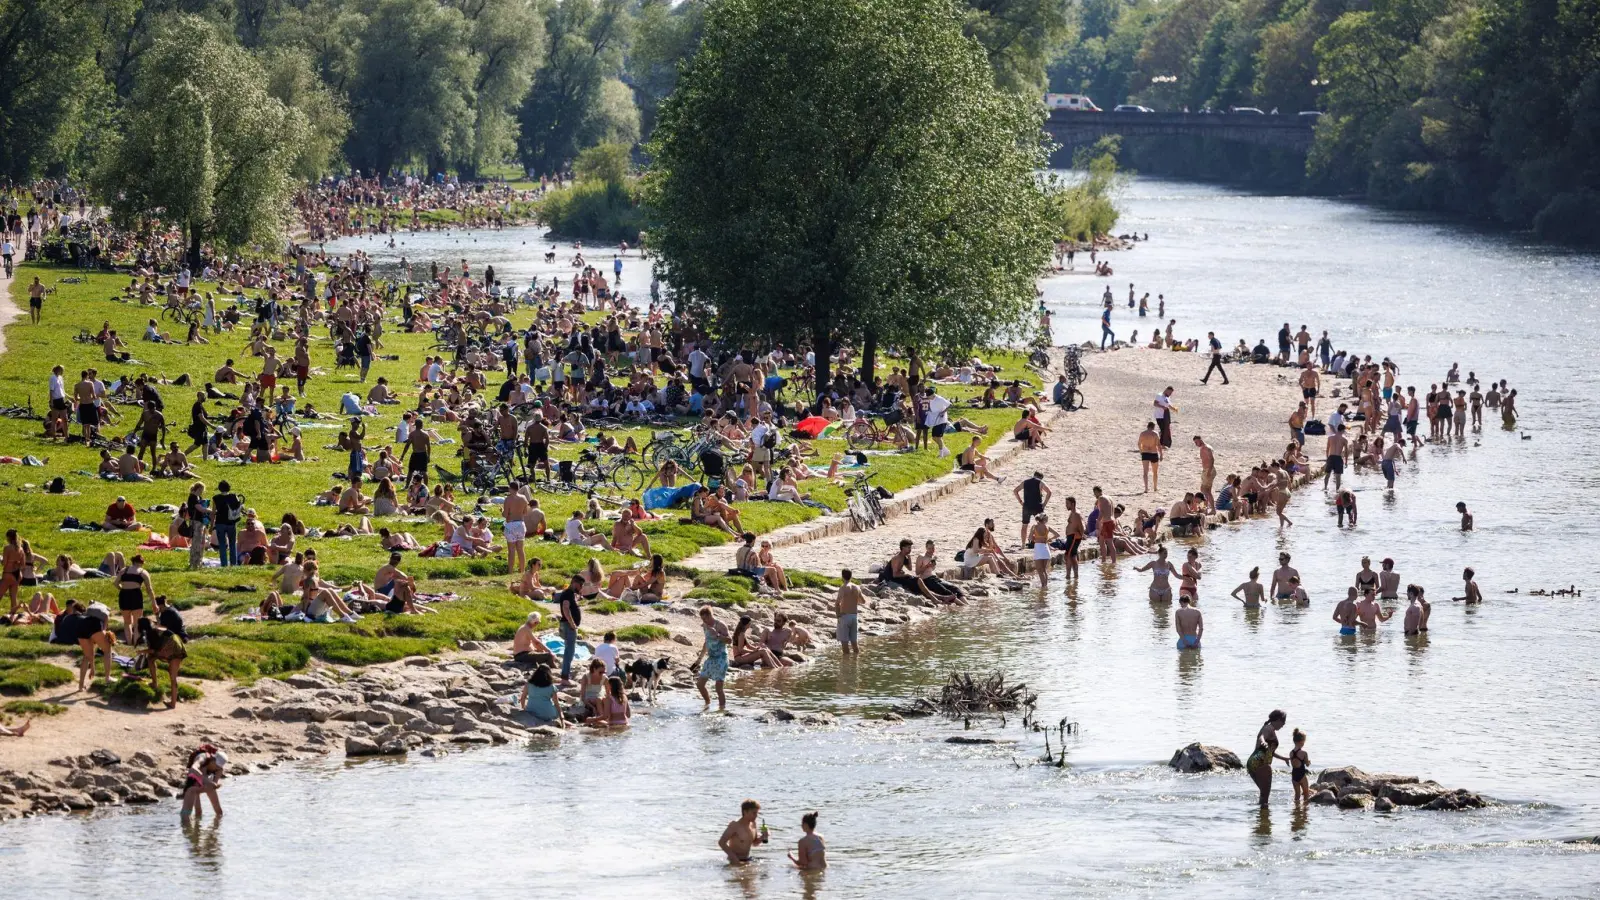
<point x="1246" y="110"/>
<point x="1073" y="102"/>
<point x="1131" y="108"/>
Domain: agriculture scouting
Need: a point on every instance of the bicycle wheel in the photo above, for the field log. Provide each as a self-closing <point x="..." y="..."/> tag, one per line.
<point x="629" y="477"/>
<point x="1039" y="359"/>
<point x="1074" y="399"/>
<point x="857" y="439"/>
<point x="858" y="519"/>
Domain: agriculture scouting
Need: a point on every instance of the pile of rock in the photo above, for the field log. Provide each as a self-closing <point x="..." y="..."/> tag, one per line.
<point x="1350" y="788"/>
<point x="100" y="778"/>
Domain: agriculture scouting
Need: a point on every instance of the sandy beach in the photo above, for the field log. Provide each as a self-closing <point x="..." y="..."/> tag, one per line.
<point x="1244" y="422"/>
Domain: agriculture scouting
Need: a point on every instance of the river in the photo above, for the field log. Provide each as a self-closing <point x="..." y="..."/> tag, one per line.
<point x="1499" y="699"/>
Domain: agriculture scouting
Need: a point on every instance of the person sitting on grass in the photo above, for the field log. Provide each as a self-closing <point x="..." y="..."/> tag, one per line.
<point x="529" y="586"/>
<point x="578" y="536"/>
<point x="402" y="540"/>
<point x="627" y="537"/>
<point x="400" y="588"/>
<point x="319" y="600"/>
<point x="120" y="516"/>
<point x="353" y="502"/>
<point x="252" y="540"/>
<point x="131" y="468"/>
<point x="175" y="464"/>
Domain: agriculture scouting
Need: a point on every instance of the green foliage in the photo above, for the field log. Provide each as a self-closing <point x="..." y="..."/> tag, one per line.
<point x="411" y="89"/>
<point x="1018" y="36"/>
<point x="576" y="101"/>
<point x="33" y="708"/>
<point x="50" y="82"/>
<point x="610" y="607"/>
<point x="292" y="79"/>
<point x="724" y="590"/>
<point x="203" y="143"/>
<point x="506" y="41"/>
<point x="606" y="163"/>
<point x="642" y="634"/>
<point x="25" y="677"/>
<point x="923" y="230"/>
<point x="593" y="210"/>
<point x="142" y="692"/>
<point x="1087" y="208"/>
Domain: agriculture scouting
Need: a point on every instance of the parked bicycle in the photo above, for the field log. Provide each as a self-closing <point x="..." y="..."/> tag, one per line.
<point x="863" y="504"/>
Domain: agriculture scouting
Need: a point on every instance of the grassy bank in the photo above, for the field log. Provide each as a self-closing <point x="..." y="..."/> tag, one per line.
<point x="228" y="649"/>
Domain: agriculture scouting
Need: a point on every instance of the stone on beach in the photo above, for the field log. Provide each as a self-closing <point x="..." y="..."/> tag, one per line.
<point x="1198" y="757"/>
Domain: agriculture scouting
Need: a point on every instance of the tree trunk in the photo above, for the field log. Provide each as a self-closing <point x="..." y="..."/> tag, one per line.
<point x="194" y="248"/>
<point x="869" y="356"/>
<point x="822" y="346"/>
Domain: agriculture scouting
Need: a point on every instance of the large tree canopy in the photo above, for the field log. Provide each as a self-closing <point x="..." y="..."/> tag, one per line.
<point x="848" y="169"/>
<point x="204" y="144"/>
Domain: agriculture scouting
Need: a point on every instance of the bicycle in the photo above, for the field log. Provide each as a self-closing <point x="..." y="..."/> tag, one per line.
<point x="866" y="434"/>
<point x="1072" y="367"/>
<point x="862" y="503"/>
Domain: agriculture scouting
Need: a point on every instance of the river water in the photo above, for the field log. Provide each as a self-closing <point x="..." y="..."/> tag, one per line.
<point x="1500" y="699"/>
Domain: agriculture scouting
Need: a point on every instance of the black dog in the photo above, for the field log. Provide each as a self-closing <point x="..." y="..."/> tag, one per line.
<point x="647" y="672"/>
<point x="550" y="257"/>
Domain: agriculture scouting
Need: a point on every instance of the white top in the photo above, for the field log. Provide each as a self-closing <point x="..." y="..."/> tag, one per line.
<point x="58" y="387"/>
<point x="697" y="362"/>
<point x="938" y="406"/>
<point x="574" y="531"/>
<point x="607" y="653"/>
<point x="1163" y="406"/>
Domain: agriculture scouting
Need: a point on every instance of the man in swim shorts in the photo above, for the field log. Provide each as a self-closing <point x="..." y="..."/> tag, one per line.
<point x="1284" y="579"/>
<point x="1345" y="614"/>
<point x="1190" y="624"/>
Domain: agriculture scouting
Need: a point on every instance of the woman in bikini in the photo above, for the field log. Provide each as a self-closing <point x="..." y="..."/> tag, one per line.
<point x="747" y="652"/>
<point x="612" y="711"/>
<point x="133" y="586"/>
<point x="1260" y="763"/>
<point x="1040" y="534"/>
<point x="164" y="646"/>
<point x="1252" y="590"/>
<point x="1190" y="584"/>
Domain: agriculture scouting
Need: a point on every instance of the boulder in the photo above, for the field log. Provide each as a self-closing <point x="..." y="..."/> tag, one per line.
<point x="358" y="746"/>
<point x="1383" y="804"/>
<point x="395" y="711"/>
<point x="1345" y="776"/>
<point x="103" y="757"/>
<point x="243" y="712"/>
<point x="1456" y="799"/>
<point x="1198" y="757"/>
<point x="419" y="661"/>
<point x="74" y="800"/>
<point x="395" y="747"/>
<point x="1355" y="801"/>
<point x="296" y="711"/>
<point x="893" y="717"/>
<point x="776" y="715"/>
<point x="967" y="739"/>
<point x="363" y="714"/>
<point x="1417" y="794"/>
<point x="1325" y="798"/>
<point x="144" y="759"/>
<point x="472" y="737"/>
<point x="819" y="718"/>
<point x="681" y="639"/>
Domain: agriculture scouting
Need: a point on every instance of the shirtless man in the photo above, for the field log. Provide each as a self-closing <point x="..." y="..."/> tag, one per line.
<point x="847" y="607"/>
<point x="1208" y="472"/>
<point x="396" y="585"/>
<point x="1416" y="621"/>
<point x="1345" y="614"/>
<point x="1369" y="614"/>
<point x="741" y="835"/>
<point x="1388" y="581"/>
<point x="1466" y="517"/>
<point x="627" y="537"/>
<point x="1105" y="526"/>
<point x="1280" y="587"/>
<point x="538" y="438"/>
<point x="1310" y="383"/>
<point x="1150" y="455"/>
<point x="516" y="531"/>
<point x="152" y="430"/>
<point x="418" y="444"/>
<point x="88" y="407"/>
<point x="1160" y="570"/>
<point x="1190" y="623"/>
<point x="1335" y="469"/>
<point x="534" y="518"/>
<point x="1074" y="537"/>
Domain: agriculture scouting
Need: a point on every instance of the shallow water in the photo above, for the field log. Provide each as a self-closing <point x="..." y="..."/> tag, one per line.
<point x="1499" y="699"/>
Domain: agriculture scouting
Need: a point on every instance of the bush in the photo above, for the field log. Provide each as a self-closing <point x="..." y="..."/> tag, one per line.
<point x="593" y="210"/>
<point x="23" y="678"/>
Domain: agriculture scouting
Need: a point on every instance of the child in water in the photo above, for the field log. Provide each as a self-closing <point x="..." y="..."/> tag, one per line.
<point x="812" y="855"/>
<point x="1300" y="760"/>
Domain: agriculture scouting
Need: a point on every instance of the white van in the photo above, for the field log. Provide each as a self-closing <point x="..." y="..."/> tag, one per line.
<point x="1074" y="102"/>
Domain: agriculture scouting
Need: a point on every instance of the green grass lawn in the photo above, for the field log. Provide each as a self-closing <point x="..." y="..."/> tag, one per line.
<point x="247" y="650"/>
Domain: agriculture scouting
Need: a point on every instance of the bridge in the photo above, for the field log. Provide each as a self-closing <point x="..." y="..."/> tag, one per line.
<point x="1292" y="132"/>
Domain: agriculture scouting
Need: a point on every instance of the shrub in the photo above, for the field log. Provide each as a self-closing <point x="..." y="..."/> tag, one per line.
<point x="593" y="210"/>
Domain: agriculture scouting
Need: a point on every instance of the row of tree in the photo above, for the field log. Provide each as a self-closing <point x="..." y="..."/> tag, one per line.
<point x="1487" y="108"/>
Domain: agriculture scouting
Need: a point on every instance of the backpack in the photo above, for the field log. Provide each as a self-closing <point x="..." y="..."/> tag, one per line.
<point x="229" y="506"/>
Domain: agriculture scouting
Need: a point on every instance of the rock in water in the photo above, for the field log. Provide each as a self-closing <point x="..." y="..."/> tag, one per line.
<point x="1355" y="801"/>
<point x="1325" y="798"/>
<point x="1198" y="757"/>
<point x="1383" y="804"/>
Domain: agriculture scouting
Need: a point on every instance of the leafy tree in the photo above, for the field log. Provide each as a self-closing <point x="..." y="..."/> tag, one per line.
<point x="665" y="35"/>
<point x="411" y="92"/>
<point x="292" y="78"/>
<point x="1018" y="36"/>
<point x="49" y="83"/>
<point x="847" y="169"/>
<point x="506" y="40"/>
<point x="570" y="106"/>
<point x="606" y="163"/>
<point x="204" y="145"/>
<point x="331" y="30"/>
<point x="128" y="28"/>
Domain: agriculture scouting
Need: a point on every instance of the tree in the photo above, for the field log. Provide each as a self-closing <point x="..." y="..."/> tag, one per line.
<point x="411" y="94"/>
<point x="569" y="106"/>
<point x="506" y="42"/>
<point x="1018" y="36"/>
<point x="292" y="79"/>
<point x="204" y="145"/>
<point x="665" y="35"/>
<point x="847" y="169"/>
<point x="49" y="84"/>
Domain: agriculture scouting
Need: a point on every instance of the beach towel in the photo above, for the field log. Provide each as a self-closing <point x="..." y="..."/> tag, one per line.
<point x="558" y="646"/>
<point x="667" y="498"/>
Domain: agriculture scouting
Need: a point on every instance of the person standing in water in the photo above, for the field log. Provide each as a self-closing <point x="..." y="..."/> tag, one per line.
<point x="1473" y="595"/>
<point x="1160" y="570"/>
<point x="741" y="836"/>
<point x="1281" y="588"/>
<point x="1466" y="517"/>
<point x="1190" y="623"/>
<point x="1345" y="614"/>
<point x="1252" y="590"/>
<point x="1299" y="762"/>
<point x="1369" y="614"/>
<point x="847" y="608"/>
<point x="1416" y="621"/>
<point x="810" y="853"/>
<point x="1260" y="763"/>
